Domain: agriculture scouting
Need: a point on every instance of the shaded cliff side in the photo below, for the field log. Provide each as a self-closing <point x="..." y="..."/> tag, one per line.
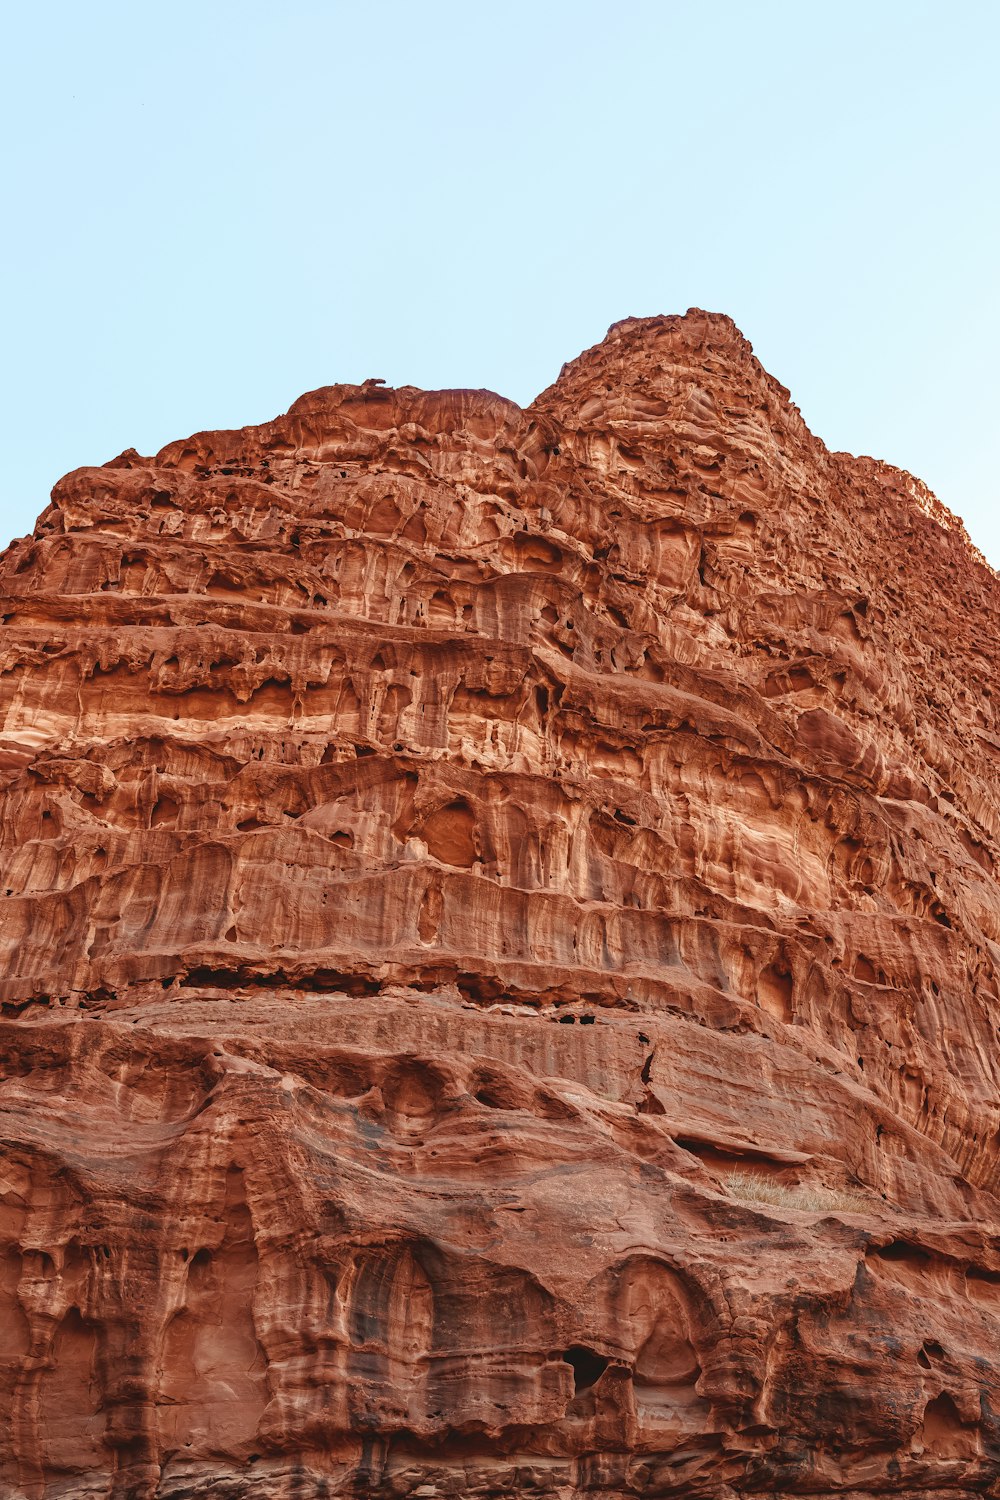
<point x="500" y="956"/>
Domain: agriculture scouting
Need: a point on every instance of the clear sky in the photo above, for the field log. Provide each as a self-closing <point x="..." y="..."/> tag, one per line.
<point x="211" y="208"/>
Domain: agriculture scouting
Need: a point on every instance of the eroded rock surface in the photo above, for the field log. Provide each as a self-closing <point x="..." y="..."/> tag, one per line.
<point x="499" y="930"/>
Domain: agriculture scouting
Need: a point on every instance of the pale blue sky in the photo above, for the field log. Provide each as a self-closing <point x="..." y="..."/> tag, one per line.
<point x="212" y="208"/>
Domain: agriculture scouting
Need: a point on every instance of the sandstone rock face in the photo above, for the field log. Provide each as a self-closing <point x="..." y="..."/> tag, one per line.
<point x="501" y="947"/>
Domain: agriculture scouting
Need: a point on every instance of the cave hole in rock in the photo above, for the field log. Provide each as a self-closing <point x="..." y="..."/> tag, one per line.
<point x="495" y="1093"/>
<point x="165" y="811"/>
<point x="479" y="989"/>
<point x="450" y="834"/>
<point x="587" y="1365"/>
<point x="944" y="1433"/>
<point x="903" y="1250"/>
<point x="982" y="1275"/>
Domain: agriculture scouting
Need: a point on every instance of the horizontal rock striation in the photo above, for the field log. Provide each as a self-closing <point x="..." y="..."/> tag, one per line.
<point x="500" y="956"/>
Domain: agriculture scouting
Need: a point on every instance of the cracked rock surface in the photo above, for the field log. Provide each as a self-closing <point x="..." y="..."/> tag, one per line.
<point x="500" y="942"/>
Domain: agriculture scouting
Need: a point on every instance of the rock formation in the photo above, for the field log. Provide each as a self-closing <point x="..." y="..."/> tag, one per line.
<point x="501" y="947"/>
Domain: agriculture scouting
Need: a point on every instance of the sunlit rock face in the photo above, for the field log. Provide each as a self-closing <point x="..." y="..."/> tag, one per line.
<point x="500" y="956"/>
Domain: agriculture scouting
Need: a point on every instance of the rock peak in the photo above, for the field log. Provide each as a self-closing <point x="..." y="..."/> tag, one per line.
<point x="712" y="327"/>
<point x="646" y="358"/>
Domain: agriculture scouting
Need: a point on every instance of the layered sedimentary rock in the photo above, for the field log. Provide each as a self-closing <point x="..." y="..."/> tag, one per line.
<point x="500" y="956"/>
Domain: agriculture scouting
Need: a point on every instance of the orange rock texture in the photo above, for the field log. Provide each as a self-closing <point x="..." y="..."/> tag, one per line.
<point x="500" y="943"/>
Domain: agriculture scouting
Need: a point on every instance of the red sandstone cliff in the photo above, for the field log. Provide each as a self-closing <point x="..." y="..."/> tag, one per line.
<point x="500" y="956"/>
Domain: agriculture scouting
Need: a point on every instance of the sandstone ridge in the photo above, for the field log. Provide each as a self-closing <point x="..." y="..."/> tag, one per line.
<point x="501" y="942"/>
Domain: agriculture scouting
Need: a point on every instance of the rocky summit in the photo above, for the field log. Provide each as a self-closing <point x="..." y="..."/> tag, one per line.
<point x="500" y="956"/>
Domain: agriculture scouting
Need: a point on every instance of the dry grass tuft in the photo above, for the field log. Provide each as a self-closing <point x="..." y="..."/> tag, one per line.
<point x="754" y="1187"/>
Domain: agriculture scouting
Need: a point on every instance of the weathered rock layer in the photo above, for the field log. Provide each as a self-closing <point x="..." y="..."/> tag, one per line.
<point x="500" y="956"/>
